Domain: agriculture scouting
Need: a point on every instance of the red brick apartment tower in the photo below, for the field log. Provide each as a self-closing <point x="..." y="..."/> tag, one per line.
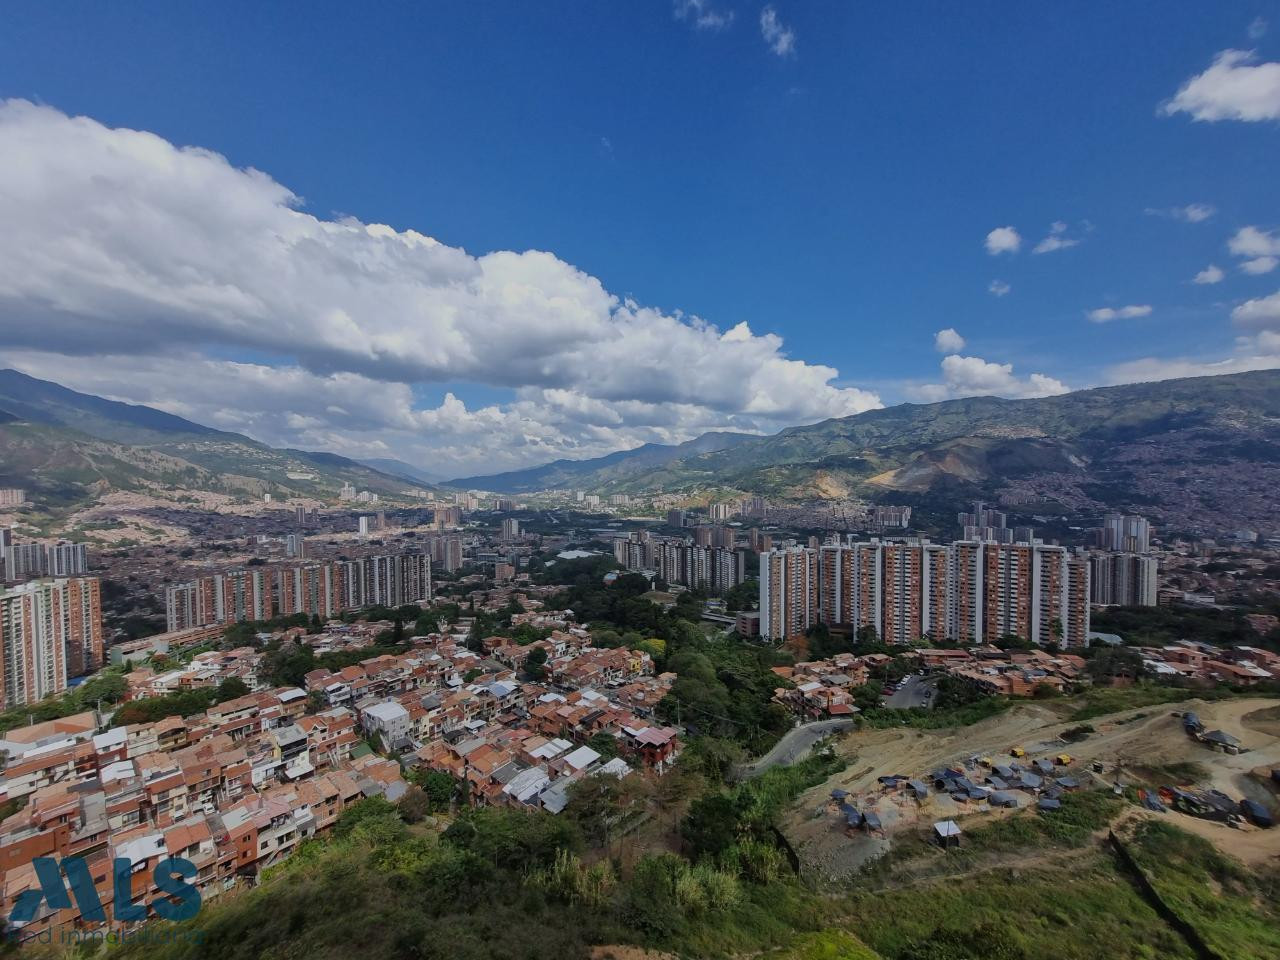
<point x="834" y="581"/>
<point x="868" y="586"/>
<point x="965" y="575"/>
<point x="1007" y="590"/>
<point x="1061" y="606"/>
<point x="82" y="608"/>
<point x="902" y="592"/>
<point x="788" y="592"/>
<point x="935" y="620"/>
<point x="49" y="630"/>
<point x="850" y="584"/>
<point x="1076" y="623"/>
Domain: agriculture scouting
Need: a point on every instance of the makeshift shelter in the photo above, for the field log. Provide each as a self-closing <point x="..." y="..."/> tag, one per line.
<point x="1256" y="813"/>
<point x="946" y="833"/>
<point x="1221" y="740"/>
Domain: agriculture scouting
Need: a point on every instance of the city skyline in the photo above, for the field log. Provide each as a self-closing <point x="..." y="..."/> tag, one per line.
<point x="287" y="310"/>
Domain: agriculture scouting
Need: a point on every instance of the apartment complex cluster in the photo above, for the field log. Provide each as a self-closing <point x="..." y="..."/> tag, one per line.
<point x="23" y="560"/>
<point x="50" y="632"/>
<point x="710" y="561"/>
<point x="969" y="591"/>
<point x="1123" y="571"/>
<point x="317" y="589"/>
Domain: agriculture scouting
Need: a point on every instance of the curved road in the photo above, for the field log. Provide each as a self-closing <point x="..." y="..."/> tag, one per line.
<point x="793" y="746"/>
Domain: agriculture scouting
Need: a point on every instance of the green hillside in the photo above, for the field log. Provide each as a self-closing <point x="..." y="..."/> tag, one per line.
<point x="67" y="447"/>
<point x="615" y="467"/>
<point x="1197" y="451"/>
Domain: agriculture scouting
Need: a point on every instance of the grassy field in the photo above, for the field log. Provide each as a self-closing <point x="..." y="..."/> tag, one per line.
<point x="1233" y="909"/>
<point x="1045" y="887"/>
<point x="1008" y="914"/>
<point x="1099" y="701"/>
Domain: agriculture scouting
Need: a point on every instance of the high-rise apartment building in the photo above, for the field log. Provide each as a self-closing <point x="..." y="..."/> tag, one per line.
<point x="511" y="529"/>
<point x="699" y="567"/>
<point x="61" y="559"/>
<point x="968" y="591"/>
<point x="789" y="591"/>
<point x="991" y="526"/>
<point x="719" y="512"/>
<point x="50" y="630"/>
<point x="322" y="589"/>
<point x="12" y="496"/>
<point x="1125" y="534"/>
<point x="446" y="553"/>
<point x="1124" y="579"/>
<point x="446" y="517"/>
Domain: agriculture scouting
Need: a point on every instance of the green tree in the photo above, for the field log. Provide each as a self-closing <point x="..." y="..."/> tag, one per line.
<point x="535" y="664"/>
<point x="439" y="788"/>
<point x="604" y="743"/>
<point x="414" y="805"/>
<point x="231" y="688"/>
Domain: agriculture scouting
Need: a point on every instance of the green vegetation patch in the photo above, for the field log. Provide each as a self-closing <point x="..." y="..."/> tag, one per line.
<point x="1024" y="914"/>
<point x="1234" y="910"/>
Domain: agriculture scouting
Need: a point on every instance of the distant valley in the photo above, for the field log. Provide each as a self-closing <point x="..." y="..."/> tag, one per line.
<point x="1200" y="454"/>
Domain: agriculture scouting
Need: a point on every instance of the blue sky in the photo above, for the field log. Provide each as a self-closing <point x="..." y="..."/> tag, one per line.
<point x="832" y="183"/>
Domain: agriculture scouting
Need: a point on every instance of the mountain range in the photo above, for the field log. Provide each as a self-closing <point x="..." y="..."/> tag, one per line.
<point x="599" y="471"/>
<point x="1198" y="453"/>
<point x="66" y="447"/>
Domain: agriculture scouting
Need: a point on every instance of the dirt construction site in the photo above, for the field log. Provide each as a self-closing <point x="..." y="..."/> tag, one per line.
<point x="1136" y="747"/>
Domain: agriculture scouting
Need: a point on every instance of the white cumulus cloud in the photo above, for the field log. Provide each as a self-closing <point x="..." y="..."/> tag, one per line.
<point x="976" y="377"/>
<point x="1260" y="248"/>
<point x="1254" y="242"/>
<point x="1107" y="314"/>
<point x="1260" y="265"/>
<point x="116" y="243"/>
<point x="1261" y="313"/>
<point x="1210" y="274"/>
<point x="998" y="288"/>
<point x="1003" y="240"/>
<point x="948" y="341"/>
<point x="1234" y="87"/>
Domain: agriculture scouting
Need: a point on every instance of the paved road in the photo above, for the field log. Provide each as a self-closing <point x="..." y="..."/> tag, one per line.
<point x="793" y="746"/>
<point x="914" y="692"/>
